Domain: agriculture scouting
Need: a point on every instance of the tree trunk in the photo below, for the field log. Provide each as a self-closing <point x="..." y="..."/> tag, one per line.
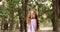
<point x="55" y="15"/>
<point x="21" y="21"/>
<point x="24" y="9"/>
<point x="22" y="15"/>
<point x="21" y="18"/>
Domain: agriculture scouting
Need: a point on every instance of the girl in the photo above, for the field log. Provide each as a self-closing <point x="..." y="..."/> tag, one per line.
<point x="32" y="21"/>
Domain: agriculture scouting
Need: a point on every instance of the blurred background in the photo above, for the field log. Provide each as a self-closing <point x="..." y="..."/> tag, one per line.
<point x="13" y="15"/>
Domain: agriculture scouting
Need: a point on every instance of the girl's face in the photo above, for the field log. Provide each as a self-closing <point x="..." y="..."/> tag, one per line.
<point x="32" y="14"/>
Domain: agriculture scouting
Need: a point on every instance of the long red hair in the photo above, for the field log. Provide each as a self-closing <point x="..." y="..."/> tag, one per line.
<point x="28" y="18"/>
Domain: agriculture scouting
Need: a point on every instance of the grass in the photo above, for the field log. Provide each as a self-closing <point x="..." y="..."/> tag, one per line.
<point x="1" y="30"/>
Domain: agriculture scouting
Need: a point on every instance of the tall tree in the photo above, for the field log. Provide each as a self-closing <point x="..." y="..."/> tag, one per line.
<point x="55" y="15"/>
<point x="24" y="9"/>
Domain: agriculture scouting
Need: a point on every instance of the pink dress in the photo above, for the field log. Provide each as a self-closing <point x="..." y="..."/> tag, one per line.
<point x="32" y="26"/>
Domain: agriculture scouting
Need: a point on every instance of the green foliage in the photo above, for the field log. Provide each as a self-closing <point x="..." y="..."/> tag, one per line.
<point x="42" y="7"/>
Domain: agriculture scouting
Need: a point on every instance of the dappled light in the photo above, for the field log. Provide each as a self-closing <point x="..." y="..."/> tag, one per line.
<point x="14" y="14"/>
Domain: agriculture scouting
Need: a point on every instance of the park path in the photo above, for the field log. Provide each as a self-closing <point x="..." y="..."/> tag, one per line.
<point x="45" y="29"/>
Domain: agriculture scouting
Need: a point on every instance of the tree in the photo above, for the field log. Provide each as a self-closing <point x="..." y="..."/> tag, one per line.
<point x="22" y="15"/>
<point x="24" y="8"/>
<point x="55" y="15"/>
